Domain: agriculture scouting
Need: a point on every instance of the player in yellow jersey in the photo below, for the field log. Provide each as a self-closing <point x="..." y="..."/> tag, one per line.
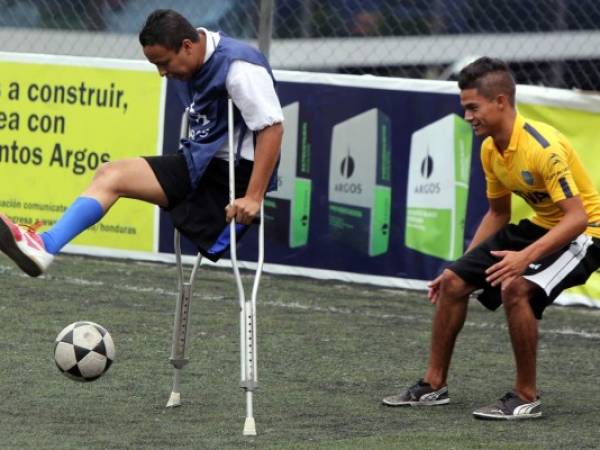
<point x="524" y="266"/>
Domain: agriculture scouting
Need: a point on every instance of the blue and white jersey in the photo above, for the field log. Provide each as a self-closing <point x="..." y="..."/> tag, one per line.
<point x="231" y="69"/>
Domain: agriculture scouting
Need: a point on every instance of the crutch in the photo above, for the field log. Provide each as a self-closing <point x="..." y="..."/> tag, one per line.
<point x="182" y="307"/>
<point x="181" y="323"/>
<point x="249" y="380"/>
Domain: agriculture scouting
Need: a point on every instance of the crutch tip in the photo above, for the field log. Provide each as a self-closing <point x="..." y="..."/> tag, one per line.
<point x="249" y="427"/>
<point x="174" y="400"/>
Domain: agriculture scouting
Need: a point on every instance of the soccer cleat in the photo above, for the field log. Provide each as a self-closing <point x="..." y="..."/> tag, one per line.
<point x="24" y="246"/>
<point x="420" y="394"/>
<point x="510" y="407"/>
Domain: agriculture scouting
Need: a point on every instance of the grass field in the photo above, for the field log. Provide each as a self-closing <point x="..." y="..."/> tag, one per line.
<point x="328" y="352"/>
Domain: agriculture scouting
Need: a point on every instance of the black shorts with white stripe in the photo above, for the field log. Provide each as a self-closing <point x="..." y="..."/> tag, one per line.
<point x="568" y="267"/>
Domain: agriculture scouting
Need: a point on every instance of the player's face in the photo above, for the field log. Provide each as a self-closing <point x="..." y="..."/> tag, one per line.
<point x="180" y="65"/>
<point x="483" y="114"/>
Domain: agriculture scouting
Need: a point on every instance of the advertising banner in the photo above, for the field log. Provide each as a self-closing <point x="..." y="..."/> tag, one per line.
<point x="379" y="180"/>
<point x="60" y="119"/>
<point x="359" y="182"/>
<point x="389" y="168"/>
<point x="438" y="187"/>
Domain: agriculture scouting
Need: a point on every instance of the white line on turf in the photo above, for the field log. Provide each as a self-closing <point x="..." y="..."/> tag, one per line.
<point x="566" y="331"/>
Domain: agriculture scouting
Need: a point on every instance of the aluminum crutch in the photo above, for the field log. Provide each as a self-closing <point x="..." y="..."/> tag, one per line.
<point x="248" y="346"/>
<point x="181" y="325"/>
<point x="182" y="307"/>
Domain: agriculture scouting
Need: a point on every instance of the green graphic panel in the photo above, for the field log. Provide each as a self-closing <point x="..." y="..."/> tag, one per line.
<point x="427" y="231"/>
<point x="462" y="195"/>
<point x="380" y="228"/>
<point x="463" y="142"/>
<point x="301" y="212"/>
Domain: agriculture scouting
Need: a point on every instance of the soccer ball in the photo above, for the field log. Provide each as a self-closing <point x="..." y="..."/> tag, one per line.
<point x="83" y="351"/>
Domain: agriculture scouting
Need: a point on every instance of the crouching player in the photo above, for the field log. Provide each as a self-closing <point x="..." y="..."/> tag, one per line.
<point x="523" y="266"/>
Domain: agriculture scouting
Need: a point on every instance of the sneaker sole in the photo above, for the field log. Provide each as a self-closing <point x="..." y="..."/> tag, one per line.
<point x="419" y="403"/>
<point x="483" y="416"/>
<point x="10" y="248"/>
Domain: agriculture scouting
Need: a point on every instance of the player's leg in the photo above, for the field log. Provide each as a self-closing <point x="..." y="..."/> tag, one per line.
<point x="448" y="320"/>
<point x="131" y="178"/>
<point x="522" y="402"/>
<point x="449" y="317"/>
<point x="524" y="301"/>
<point x="33" y="253"/>
<point x="459" y="280"/>
<point x="523" y="330"/>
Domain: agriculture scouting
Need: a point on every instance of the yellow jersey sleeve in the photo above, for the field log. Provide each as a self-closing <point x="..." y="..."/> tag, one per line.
<point x="553" y="165"/>
<point x="494" y="187"/>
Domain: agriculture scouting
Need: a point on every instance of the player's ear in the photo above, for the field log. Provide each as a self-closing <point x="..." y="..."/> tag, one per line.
<point x="502" y="101"/>
<point x="186" y="44"/>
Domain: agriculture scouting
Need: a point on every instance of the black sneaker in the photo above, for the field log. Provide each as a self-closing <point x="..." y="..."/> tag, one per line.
<point x="510" y="407"/>
<point x="420" y="394"/>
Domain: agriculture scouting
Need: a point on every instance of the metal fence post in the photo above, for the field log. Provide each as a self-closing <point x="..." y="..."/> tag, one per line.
<point x="265" y="26"/>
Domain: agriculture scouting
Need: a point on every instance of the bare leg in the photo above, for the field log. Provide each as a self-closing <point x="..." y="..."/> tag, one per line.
<point x="130" y="178"/>
<point x="523" y="329"/>
<point x="450" y="315"/>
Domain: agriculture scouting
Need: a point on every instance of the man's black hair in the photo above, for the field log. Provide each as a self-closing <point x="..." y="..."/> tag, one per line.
<point x="490" y="76"/>
<point x="167" y="28"/>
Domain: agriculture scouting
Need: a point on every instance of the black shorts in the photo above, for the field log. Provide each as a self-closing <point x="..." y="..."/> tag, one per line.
<point x="568" y="267"/>
<point x="200" y="214"/>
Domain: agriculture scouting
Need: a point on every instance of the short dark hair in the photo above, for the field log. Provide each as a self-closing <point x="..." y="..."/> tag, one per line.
<point x="167" y="28"/>
<point x="490" y="76"/>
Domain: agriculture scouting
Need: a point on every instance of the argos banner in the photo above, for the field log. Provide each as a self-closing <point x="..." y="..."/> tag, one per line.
<point x="390" y="171"/>
<point x="60" y="119"/>
<point x="380" y="179"/>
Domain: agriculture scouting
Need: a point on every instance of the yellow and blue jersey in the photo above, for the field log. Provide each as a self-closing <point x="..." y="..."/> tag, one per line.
<point x="541" y="166"/>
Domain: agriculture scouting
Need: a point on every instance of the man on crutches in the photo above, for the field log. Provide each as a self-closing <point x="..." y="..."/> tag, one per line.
<point x="236" y="82"/>
<point x="191" y="185"/>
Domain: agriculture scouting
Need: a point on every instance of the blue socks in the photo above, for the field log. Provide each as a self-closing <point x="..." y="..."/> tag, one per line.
<point x="82" y="214"/>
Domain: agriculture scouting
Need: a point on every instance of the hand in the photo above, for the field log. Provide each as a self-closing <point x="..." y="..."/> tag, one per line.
<point x="243" y="210"/>
<point x="434" y="289"/>
<point x="511" y="266"/>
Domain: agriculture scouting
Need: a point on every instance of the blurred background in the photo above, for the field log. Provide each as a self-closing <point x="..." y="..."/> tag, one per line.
<point x="547" y="42"/>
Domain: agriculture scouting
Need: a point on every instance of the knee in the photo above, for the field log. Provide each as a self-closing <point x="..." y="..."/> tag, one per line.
<point x="107" y="174"/>
<point x="452" y="286"/>
<point x="516" y="293"/>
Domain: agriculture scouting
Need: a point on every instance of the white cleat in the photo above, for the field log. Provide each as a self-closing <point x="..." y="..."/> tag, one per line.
<point x="24" y="246"/>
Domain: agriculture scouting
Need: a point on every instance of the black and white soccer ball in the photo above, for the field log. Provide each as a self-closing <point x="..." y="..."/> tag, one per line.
<point x="84" y="351"/>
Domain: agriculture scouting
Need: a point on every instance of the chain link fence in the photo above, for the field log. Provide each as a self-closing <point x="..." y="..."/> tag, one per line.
<point x="547" y="42"/>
